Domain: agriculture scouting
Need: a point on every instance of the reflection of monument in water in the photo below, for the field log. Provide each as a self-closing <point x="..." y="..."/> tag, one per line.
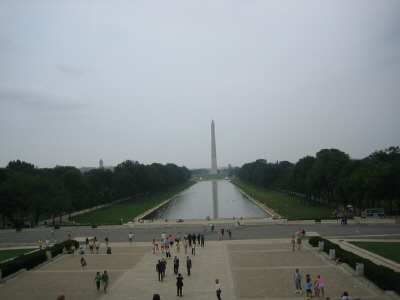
<point x="215" y="198"/>
<point x="214" y="169"/>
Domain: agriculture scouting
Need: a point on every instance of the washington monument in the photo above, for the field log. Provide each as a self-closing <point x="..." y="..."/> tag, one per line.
<point x="214" y="168"/>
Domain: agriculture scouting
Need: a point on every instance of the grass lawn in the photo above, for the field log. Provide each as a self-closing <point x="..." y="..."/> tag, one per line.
<point x="130" y="209"/>
<point x="288" y="206"/>
<point x="387" y="250"/>
<point x="10" y="253"/>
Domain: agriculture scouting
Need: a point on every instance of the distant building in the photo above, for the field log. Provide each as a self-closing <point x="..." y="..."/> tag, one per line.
<point x="101" y="166"/>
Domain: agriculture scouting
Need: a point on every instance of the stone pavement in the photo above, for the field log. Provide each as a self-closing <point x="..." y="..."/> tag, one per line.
<point x="247" y="269"/>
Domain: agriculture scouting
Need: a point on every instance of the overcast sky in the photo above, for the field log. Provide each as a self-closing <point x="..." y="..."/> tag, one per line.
<point x="82" y="81"/>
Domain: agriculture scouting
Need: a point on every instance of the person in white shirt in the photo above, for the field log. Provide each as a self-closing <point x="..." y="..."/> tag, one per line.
<point x="345" y="296"/>
<point x="218" y="289"/>
<point x="130" y="237"/>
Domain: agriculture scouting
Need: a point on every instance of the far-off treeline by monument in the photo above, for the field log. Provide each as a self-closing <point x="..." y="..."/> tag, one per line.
<point x="331" y="178"/>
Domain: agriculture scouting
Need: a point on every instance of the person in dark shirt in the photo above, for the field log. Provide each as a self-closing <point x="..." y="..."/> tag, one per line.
<point x="179" y="285"/>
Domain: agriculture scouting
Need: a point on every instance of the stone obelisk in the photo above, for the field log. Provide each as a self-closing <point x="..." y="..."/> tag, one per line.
<point x="214" y="169"/>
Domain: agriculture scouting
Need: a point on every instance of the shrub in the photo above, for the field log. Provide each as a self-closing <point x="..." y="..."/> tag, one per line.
<point x="32" y="260"/>
<point x="384" y="277"/>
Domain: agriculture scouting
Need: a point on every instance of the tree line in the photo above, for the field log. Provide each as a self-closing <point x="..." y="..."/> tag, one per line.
<point x="28" y="192"/>
<point x="333" y="178"/>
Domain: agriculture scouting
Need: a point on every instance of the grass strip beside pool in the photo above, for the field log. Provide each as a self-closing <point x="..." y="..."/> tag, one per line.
<point x="129" y="209"/>
<point x="288" y="206"/>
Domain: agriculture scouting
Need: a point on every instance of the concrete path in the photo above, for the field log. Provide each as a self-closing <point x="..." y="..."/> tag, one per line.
<point x="247" y="269"/>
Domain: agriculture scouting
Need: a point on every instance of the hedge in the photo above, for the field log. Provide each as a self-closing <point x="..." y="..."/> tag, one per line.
<point x="32" y="260"/>
<point x="384" y="277"/>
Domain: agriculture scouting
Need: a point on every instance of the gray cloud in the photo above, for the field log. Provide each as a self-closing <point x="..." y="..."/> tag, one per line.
<point x="38" y="98"/>
<point x="70" y="69"/>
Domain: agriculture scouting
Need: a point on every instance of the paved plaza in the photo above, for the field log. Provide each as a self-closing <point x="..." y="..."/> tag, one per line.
<point x="247" y="269"/>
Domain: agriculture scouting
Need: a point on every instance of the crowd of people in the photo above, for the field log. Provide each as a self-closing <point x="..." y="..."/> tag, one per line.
<point x="188" y="240"/>
<point x="313" y="289"/>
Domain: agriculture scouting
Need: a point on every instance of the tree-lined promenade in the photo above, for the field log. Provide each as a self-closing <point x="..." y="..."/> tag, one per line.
<point x="26" y="192"/>
<point x="332" y="177"/>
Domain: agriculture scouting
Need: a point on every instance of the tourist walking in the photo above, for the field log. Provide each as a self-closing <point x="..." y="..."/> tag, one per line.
<point x="163" y="261"/>
<point x="168" y="253"/>
<point x="176" y="265"/>
<point x="308" y="288"/>
<point x="171" y="240"/>
<point x="194" y="238"/>
<point x="185" y="244"/>
<point x="202" y="241"/>
<point x="91" y="245"/>
<point x="297" y="281"/>
<point x="130" y="237"/>
<point x="40" y="244"/>
<point x="159" y="269"/>
<point x="83" y="263"/>
<point x="97" y="280"/>
<point x="179" y="285"/>
<point x="106" y="240"/>
<point x="194" y="249"/>
<point x="162" y="246"/>
<point x="188" y="265"/>
<point x="104" y="281"/>
<point x="190" y="239"/>
<point x="320" y="285"/>
<point x="299" y="242"/>
<point x="218" y="289"/>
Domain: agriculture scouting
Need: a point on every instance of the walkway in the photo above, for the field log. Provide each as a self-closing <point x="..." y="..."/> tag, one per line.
<point x="247" y="269"/>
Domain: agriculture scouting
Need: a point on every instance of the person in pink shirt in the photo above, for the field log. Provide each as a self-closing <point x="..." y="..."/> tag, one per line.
<point x="171" y="240"/>
<point x="320" y="284"/>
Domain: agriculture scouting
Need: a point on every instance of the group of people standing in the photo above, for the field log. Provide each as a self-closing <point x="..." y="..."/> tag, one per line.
<point x="318" y="285"/>
<point x="94" y="243"/>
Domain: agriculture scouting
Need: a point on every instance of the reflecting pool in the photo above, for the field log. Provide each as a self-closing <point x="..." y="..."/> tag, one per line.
<point x="213" y="198"/>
